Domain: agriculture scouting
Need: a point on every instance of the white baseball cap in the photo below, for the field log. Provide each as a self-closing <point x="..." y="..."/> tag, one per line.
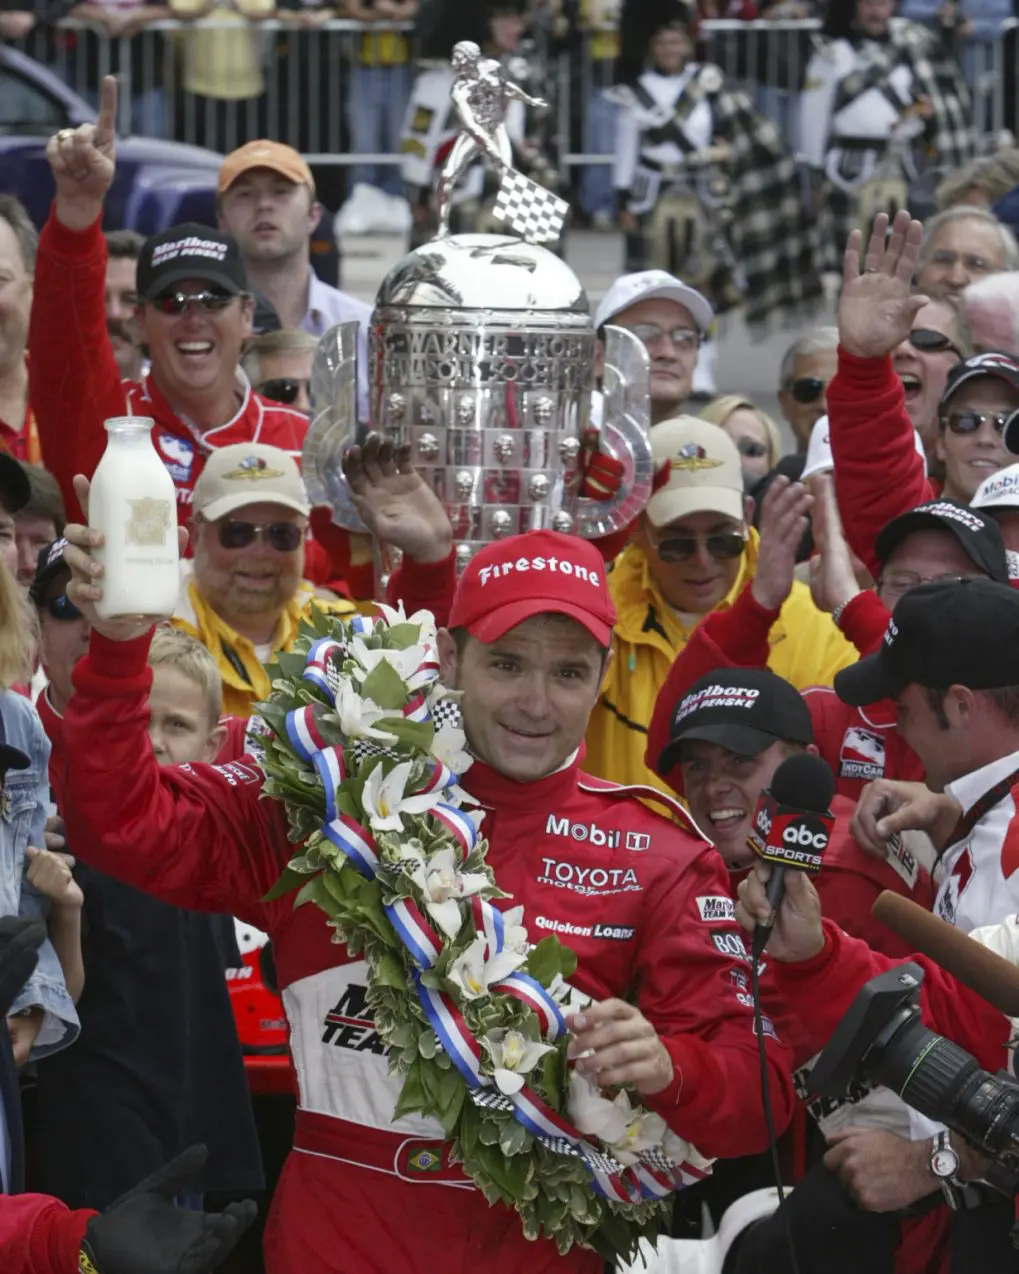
<point x="704" y="471"/>
<point x="819" y="458"/>
<point x="248" y="473"/>
<point x="999" y="491"/>
<point x="628" y="289"/>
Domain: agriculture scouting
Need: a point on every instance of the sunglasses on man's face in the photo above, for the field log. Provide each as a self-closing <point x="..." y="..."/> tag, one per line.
<point x="283" y="390"/>
<point x="970" y="422"/>
<point x="723" y="547"/>
<point x="284" y="537"/>
<point x="927" y="341"/>
<point x="808" y="389"/>
<point x="175" y="303"/>
<point x="61" y="607"/>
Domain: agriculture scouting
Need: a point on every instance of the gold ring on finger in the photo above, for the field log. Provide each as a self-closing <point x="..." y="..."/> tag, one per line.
<point x="64" y="134"/>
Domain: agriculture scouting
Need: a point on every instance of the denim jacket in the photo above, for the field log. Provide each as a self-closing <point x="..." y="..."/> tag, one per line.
<point x="23" y="823"/>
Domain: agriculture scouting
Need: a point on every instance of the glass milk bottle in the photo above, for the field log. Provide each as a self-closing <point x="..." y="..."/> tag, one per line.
<point x="134" y="503"/>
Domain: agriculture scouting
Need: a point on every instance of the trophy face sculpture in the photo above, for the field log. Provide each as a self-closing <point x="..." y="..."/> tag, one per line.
<point x="482" y="356"/>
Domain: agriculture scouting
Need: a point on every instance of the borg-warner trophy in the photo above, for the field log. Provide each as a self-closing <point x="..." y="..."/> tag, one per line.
<point x="482" y="356"/>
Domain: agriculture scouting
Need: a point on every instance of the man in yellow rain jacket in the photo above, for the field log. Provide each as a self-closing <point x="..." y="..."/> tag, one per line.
<point x="244" y="594"/>
<point x="693" y="553"/>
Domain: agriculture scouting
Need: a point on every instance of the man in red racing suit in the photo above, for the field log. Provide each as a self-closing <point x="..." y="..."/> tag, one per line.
<point x="643" y="902"/>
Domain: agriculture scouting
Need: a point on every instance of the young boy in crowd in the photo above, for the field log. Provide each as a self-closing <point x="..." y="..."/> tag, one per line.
<point x="158" y="1065"/>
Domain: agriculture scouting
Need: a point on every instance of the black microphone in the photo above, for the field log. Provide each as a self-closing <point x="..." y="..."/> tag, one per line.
<point x="791" y="828"/>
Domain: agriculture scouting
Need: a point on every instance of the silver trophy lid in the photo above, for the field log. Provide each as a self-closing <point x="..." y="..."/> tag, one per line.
<point x="483" y="272"/>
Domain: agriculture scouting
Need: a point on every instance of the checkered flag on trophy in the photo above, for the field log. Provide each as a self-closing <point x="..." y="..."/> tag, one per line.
<point x="534" y="213"/>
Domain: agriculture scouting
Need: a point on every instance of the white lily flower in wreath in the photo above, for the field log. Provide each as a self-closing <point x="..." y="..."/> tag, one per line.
<point x="385" y="800"/>
<point x="473" y="974"/>
<point x="513" y="1056"/>
<point x="403" y="662"/>
<point x="515" y="935"/>
<point x="450" y="747"/>
<point x="625" y="1131"/>
<point x="442" y="885"/>
<point x="358" y="716"/>
<point x="594" y="1114"/>
<point x="645" y="1131"/>
<point x="424" y="619"/>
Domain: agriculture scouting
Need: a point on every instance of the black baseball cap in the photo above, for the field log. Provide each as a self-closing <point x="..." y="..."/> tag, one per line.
<point x="961" y="634"/>
<point x="996" y="363"/>
<point x="190" y="251"/>
<point x="977" y="533"/>
<point x="50" y="566"/>
<point x="15" y="491"/>
<point x="742" y="709"/>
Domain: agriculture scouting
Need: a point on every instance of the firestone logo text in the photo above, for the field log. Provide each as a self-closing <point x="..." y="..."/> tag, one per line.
<point x="561" y="565"/>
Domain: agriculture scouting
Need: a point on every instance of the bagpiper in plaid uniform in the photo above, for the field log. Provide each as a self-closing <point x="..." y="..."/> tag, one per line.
<point x="877" y="106"/>
<point x="706" y="188"/>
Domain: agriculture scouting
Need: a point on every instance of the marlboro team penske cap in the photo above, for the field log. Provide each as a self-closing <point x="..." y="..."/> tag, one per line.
<point x="743" y="710"/>
<point x="540" y="573"/>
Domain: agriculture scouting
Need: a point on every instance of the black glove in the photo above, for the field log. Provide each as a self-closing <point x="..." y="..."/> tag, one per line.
<point x="20" y="940"/>
<point x="143" y="1233"/>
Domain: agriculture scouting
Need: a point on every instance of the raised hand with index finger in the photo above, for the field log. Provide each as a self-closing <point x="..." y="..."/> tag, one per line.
<point x="83" y="161"/>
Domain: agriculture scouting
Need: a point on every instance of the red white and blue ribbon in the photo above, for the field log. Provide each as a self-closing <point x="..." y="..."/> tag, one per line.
<point x="319" y="656"/>
<point x="303" y="732"/>
<point x="416" y="708"/>
<point x="438" y="780"/>
<point x="416" y="933"/>
<point x="488" y="922"/>
<point x="459" y="824"/>
<point x="356" y="842"/>
<point x="427" y="672"/>
<point x="453" y="1032"/>
<point x="523" y="987"/>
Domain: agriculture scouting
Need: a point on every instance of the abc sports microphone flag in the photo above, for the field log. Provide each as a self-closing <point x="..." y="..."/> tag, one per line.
<point x="792" y="824"/>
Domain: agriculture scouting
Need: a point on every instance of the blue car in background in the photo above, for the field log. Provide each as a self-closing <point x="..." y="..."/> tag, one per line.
<point x="157" y="184"/>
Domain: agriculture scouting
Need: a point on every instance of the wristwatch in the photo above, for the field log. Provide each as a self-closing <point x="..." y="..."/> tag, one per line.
<point x="944" y="1164"/>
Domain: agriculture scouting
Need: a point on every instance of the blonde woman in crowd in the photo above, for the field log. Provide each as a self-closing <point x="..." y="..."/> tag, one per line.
<point x="33" y="882"/>
<point x="753" y="431"/>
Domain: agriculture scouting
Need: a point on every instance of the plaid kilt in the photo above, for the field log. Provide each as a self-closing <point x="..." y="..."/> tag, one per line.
<point x="948" y="142"/>
<point x="772" y="233"/>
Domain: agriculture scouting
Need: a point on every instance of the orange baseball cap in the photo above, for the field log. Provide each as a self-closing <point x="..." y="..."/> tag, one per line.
<point x="265" y="154"/>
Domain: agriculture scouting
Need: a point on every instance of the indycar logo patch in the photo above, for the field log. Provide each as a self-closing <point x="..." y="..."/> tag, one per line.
<point x="862" y="755"/>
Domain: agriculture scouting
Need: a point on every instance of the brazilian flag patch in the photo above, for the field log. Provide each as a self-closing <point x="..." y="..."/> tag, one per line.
<point x="424" y="1160"/>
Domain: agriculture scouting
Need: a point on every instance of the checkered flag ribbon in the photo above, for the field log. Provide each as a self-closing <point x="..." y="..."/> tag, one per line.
<point x="365" y="748"/>
<point x="489" y="1100"/>
<point x="534" y="213"/>
<point x="446" y="712"/>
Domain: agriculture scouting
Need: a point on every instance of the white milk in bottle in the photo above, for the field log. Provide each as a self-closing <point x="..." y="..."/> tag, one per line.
<point x="134" y="503"/>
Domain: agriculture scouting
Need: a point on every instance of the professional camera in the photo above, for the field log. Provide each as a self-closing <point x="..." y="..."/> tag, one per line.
<point x="883" y="1040"/>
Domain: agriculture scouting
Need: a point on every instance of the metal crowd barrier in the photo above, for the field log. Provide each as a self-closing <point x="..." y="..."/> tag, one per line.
<point x="302" y="84"/>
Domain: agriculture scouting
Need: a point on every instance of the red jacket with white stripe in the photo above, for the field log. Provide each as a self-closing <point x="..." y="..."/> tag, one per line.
<point x="642" y="901"/>
<point x="75" y="384"/>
